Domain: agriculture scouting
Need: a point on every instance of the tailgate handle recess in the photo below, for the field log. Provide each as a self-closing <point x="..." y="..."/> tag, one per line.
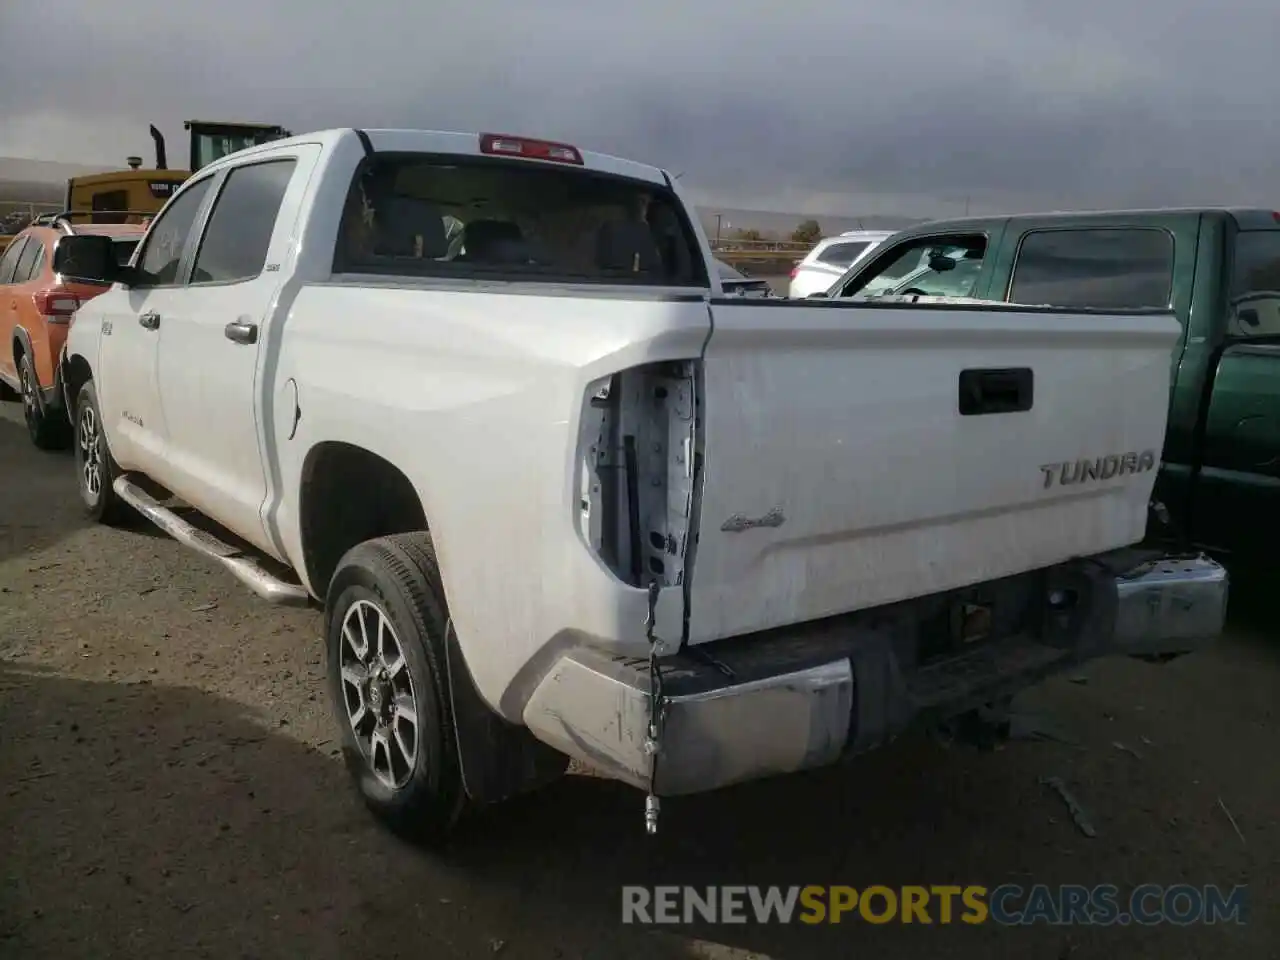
<point x="983" y="392"/>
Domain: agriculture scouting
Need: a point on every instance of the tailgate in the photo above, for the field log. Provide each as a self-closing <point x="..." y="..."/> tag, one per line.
<point x="841" y="473"/>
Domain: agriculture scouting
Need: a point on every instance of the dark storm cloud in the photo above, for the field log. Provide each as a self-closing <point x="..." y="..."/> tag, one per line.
<point x="1006" y="102"/>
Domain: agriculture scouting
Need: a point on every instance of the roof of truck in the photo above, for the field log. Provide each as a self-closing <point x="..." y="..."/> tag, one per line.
<point x="452" y="142"/>
<point x="1245" y="217"/>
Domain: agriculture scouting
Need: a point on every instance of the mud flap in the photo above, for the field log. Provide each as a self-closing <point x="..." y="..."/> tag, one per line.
<point x="498" y="759"/>
<point x="882" y="705"/>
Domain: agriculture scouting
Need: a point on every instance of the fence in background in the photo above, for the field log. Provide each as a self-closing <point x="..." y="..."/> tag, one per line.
<point x="16" y="214"/>
<point x="761" y="257"/>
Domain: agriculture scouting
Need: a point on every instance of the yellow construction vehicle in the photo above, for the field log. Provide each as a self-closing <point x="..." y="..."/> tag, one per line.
<point x="119" y="195"/>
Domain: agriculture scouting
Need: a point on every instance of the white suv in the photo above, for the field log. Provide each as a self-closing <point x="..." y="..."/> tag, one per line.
<point x="827" y="262"/>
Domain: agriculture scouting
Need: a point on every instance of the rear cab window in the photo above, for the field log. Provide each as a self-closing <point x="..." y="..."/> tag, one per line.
<point x="1254" y="291"/>
<point x="106" y="203"/>
<point x="1101" y="268"/>
<point x="937" y="266"/>
<point x="842" y="254"/>
<point x="428" y="215"/>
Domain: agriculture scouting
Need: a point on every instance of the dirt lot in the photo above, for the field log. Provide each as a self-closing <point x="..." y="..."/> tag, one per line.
<point x="168" y="784"/>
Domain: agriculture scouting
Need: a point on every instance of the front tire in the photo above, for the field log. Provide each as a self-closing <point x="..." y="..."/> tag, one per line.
<point x="385" y="623"/>
<point x="96" y="470"/>
<point x="48" y="429"/>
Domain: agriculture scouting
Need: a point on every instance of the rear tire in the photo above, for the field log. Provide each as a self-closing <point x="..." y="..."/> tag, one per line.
<point x="96" y="469"/>
<point x="385" y="624"/>
<point x="49" y="429"/>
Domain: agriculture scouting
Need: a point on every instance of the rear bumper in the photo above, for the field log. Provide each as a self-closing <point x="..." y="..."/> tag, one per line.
<point x="1170" y="605"/>
<point x="807" y="697"/>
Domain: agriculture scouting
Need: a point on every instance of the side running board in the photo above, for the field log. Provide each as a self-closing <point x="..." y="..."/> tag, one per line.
<point x="242" y="566"/>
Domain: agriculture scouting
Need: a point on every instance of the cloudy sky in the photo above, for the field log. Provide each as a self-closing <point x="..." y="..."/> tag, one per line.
<point x="895" y="106"/>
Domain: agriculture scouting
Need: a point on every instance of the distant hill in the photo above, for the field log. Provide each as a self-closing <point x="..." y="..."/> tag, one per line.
<point x="26" y="190"/>
<point x="39" y="182"/>
<point x="43" y="171"/>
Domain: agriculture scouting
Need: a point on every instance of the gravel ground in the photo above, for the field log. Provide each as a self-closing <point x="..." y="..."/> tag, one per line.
<point x="169" y="784"/>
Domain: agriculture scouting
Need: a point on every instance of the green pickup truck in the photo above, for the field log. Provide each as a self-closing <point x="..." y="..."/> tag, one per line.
<point x="1217" y="269"/>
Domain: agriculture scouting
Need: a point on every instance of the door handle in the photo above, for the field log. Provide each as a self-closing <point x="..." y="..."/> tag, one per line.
<point x="150" y="320"/>
<point x="241" y="332"/>
<point x="984" y="392"/>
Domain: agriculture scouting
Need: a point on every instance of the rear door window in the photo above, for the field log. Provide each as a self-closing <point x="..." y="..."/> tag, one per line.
<point x="1255" y="285"/>
<point x="842" y="254"/>
<point x="12" y="254"/>
<point x="235" y="243"/>
<point x="30" y="263"/>
<point x="1118" y="268"/>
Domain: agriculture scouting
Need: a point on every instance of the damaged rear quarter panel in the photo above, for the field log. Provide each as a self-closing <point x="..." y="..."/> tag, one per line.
<point x="475" y="394"/>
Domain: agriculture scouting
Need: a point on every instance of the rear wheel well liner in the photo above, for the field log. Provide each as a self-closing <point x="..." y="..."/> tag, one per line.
<point x="76" y="372"/>
<point x="21" y="344"/>
<point x="332" y="519"/>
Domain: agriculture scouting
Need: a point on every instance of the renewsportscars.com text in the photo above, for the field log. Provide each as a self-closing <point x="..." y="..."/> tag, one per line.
<point x="1008" y="905"/>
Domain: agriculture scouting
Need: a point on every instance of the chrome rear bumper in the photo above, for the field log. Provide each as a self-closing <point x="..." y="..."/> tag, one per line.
<point x="1170" y="605"/>
<point x="767" y="720"/>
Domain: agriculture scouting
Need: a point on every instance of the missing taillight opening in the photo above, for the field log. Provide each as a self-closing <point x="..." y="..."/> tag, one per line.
<point x="638" y="445"/>
<point x="496" y="144"/>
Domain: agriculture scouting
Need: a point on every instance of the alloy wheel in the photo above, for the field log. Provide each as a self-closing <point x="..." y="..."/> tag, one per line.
<point x="30" y="404"/>
<point x="377" y="690"/>
<point x="88" y="437"/>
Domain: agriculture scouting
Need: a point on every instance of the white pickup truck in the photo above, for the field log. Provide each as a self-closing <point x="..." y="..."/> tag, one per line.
<point x="483" y="397"/>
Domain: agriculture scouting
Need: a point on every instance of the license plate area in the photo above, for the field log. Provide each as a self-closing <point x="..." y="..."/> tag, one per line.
<point x="975" y="617"/>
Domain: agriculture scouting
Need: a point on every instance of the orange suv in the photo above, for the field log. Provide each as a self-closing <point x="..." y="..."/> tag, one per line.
<point x="36" y="309"/>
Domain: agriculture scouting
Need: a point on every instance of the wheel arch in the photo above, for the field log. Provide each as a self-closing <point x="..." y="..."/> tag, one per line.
<point x="499" y="759"/>
<point x="347" y="494"/>
<point x="21" y="344"/>
<point x="76" y="372"/>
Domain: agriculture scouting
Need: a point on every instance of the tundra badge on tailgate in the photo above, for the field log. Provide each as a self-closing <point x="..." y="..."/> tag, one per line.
<point x="1070" y="472"/>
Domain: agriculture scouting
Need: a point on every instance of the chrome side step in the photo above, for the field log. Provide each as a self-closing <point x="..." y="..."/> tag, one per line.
<point x="241" y="566"/>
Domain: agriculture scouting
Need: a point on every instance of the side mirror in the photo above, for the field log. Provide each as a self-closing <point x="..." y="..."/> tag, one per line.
<point x="87" y="257"/>
<point x="819" y="295"/>
<point x="941" y="264"/>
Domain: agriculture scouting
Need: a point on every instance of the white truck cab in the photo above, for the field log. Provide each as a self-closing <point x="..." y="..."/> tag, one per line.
<point x="482" y="397"/>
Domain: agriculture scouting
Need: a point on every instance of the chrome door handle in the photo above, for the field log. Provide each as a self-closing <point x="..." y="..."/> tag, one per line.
<point x="150" y="320"/>
<point x="241" y="332"/>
